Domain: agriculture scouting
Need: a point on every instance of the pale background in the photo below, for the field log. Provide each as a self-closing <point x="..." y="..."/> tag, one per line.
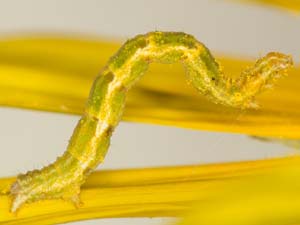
<point x="30" y="139"/>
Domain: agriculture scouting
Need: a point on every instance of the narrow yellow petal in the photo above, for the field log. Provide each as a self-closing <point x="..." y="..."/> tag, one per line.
<point x="291" y="5"/>
<point x="153" y="192"/>
<point x="55" y="74"/>
<point x="270" y="198"/>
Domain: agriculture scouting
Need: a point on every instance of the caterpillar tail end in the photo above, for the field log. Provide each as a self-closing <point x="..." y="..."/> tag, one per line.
<point x="28" y="192"/>
<point x="18" y="198"/>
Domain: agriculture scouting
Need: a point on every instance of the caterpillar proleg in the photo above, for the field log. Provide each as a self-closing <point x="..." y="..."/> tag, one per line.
<point x="91" y="138"/>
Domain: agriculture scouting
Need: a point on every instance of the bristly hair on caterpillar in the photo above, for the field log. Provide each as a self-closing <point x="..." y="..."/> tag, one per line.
<point x="91" y="138"/>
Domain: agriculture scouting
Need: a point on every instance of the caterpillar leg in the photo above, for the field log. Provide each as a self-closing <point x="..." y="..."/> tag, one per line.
<point x="90" y="140"/>
<point x="49" y="183"/>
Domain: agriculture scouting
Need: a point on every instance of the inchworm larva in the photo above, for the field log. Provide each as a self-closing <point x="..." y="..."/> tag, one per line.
<point x="90" y="140"/>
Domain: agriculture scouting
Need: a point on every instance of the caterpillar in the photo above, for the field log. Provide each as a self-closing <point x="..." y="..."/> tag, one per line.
<point x="104" y="107"/>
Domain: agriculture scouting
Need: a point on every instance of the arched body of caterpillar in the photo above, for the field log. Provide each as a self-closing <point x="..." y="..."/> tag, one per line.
<point x="91" y="138"/>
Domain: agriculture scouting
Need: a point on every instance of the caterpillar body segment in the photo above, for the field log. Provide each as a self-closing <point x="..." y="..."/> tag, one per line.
<point x="91" y="138"/>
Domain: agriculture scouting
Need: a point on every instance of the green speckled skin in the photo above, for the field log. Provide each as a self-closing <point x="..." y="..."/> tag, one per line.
<point x="90" y="140"/>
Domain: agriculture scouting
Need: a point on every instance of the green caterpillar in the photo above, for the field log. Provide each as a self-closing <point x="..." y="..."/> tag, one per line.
<point x="91" y="138"/>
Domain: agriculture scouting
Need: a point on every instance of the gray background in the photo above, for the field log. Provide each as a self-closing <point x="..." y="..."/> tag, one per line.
<point x="30" y="139"/>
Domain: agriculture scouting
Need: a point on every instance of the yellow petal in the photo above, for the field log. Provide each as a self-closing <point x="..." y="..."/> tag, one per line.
<point x="270" y="198"/>
<point x="153" y="192"/>
<point x="55" y="74"/>
<point x="292" y="5"/>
